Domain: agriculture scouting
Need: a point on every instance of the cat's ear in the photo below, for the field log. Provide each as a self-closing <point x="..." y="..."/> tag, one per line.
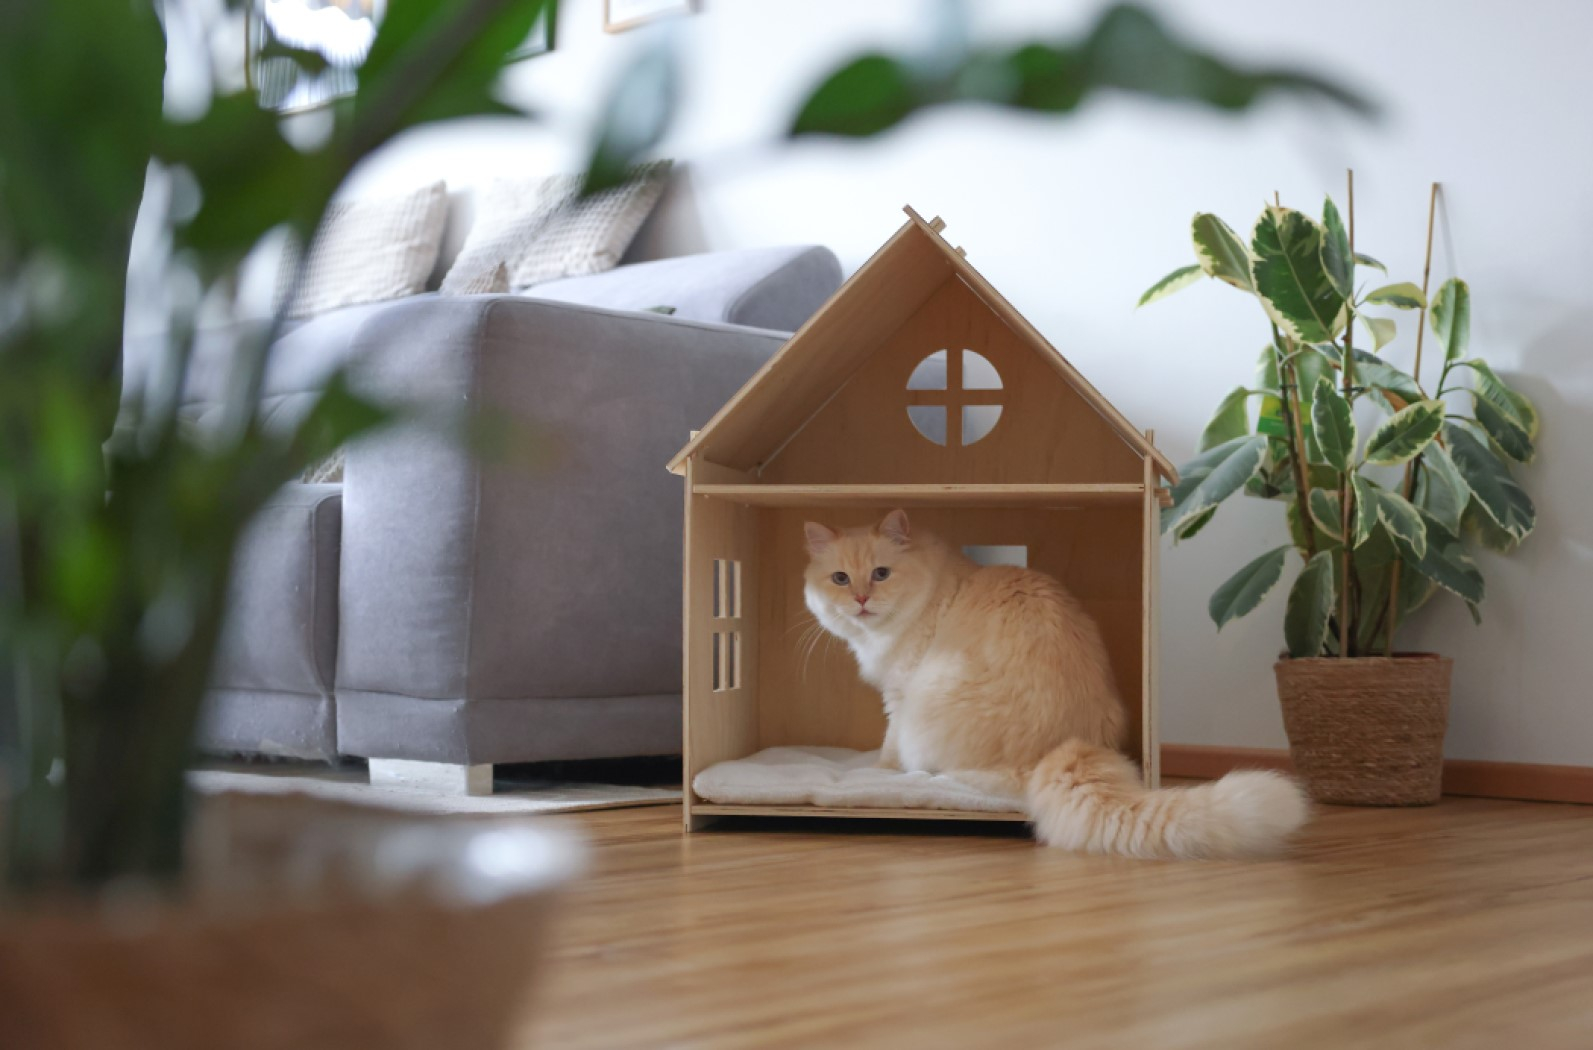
<point x="895" y="528"/>
<point x="819" y="537"/>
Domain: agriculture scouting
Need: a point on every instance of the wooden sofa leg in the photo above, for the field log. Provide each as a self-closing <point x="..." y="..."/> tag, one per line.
<point x="437" y="778"/>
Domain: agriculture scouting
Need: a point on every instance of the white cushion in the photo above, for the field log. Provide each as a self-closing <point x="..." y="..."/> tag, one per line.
<point x="541" y="231"/>
<point x="484" y="282"/>
<point x="368" y="251"/>
<point x="842" y="778"/>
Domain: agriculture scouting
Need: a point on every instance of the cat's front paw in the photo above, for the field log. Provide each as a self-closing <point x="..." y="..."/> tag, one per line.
<point x="888" y="760"/>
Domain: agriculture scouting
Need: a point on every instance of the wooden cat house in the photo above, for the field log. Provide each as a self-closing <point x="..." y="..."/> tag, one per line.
<point x="917" y="385"/>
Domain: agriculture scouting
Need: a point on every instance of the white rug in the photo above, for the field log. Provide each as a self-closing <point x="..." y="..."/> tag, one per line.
<point x="840" y="777"/>
<point x="515" y="797"/>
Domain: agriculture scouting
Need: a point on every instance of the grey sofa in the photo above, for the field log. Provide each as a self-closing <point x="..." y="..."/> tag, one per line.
<point x="437" y="612"/>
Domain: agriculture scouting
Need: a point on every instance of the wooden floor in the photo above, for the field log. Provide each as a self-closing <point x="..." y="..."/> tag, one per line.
<point x="1465" y="925"/>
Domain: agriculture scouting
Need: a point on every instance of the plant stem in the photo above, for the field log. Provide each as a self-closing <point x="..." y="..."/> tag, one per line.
<point x="1346" y="490"/>
<point x="1392" y="613"/>
<point x="1296" y="439"/>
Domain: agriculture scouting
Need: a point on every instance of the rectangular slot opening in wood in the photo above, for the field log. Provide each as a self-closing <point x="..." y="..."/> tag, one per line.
<point x="998" y="554"/>
<point x="726" y="589"/>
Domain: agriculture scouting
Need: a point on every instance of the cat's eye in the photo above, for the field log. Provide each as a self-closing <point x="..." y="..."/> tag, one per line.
<point x="881" y="573"/>
<point x="840" y="579"/>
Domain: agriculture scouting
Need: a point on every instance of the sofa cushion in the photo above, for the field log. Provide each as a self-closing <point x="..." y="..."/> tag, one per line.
<point x="368" y="251"/>
<point x="540" y="229"/>
<point x="775" y="288"/>
<point x="280" y="633"/>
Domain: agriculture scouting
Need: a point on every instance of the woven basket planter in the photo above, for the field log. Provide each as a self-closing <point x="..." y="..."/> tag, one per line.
<point x="306" y="924"/>
<point x="1367" y="731"/>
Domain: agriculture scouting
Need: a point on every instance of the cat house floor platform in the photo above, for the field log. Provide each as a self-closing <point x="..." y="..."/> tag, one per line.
<point x="837" y="781"/>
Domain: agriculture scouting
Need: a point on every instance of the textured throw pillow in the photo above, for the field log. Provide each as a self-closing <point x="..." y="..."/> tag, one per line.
<point x="328" y="471"/>
<point x="509" y="217"/>
<point x="487" y="282"/>
<point x="590" y="236"/>
<point x="367" y="251"/>
<point x="541" y="231"/>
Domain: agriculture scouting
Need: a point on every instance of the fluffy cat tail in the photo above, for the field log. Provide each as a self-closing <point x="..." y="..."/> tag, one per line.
<point x="1090" y="799"/>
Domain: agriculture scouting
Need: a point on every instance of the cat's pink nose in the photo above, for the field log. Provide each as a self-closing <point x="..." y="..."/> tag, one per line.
<point x="862" y="599"/>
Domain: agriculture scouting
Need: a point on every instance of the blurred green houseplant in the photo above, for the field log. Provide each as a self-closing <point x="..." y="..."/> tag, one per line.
<point x="123" y="546"/>
<point x="1380" y="525"/>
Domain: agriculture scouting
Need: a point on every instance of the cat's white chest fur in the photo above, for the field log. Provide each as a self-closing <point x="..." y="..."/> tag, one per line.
<point x="871" y="648"/>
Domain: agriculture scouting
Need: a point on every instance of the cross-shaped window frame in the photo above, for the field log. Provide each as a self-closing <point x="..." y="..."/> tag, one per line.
<point x="956" y="396"/>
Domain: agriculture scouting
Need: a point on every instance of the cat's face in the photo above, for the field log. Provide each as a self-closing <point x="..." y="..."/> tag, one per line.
<point x="859" y="580"/>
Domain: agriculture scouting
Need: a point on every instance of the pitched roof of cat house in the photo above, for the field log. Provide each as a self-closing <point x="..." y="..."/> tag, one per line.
<point x="914" y="297"/>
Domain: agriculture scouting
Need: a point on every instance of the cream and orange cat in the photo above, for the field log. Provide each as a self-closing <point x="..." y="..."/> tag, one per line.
<point x="996" y="675"/>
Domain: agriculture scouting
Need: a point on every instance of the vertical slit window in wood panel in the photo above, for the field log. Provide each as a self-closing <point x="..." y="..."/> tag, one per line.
<point x="718" y="663"/>
<point x="733" y="645"/>
<point x="718" y="589"/>
<point x="733" y="591"/>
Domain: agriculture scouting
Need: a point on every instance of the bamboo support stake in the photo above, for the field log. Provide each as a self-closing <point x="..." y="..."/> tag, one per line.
<point x="1346" y="490"/>
<point x="1416" y="373"/>
<point x="1283" y="350"/>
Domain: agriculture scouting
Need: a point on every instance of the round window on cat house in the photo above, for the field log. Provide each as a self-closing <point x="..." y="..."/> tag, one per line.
<point x="944" y="402"/>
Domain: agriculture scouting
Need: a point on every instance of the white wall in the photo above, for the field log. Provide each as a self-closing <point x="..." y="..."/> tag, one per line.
<point x="1073" y="217"/>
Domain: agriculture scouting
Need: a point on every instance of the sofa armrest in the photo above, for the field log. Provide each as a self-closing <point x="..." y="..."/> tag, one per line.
<point x="501" y="580"/>
<point x="777" y="288"/>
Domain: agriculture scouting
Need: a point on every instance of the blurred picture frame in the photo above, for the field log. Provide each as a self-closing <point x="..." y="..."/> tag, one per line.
<point x="620" y="15"/>
<point x="341" y="32"/>
<point x="544" y="34"/>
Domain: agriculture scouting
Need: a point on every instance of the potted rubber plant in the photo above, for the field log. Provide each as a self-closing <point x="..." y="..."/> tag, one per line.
<point x="130" y="913"/>
<point x="1385" y="484"/>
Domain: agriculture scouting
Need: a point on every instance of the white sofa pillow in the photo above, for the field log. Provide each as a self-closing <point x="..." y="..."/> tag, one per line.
<point x="540" y="231"/>
<point x="368" y="251"/>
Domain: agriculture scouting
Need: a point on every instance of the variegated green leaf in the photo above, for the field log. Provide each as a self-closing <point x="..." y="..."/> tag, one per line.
<point x="1189" y="528"/>
<point x="1402" y="521"/>
<point x="1401" y="296"/>
<point x="1220" y="251"/>
<point x="1383" y="330"/>
<point x="1328" y="513"/>
<point x="1415" y="590"/>
<point x="1212" y="477"/>
<point x="1372" y="593"/>
<point x="1450" y="317"/>
<point x="1267" y="370"/>
<point x="1378" y="550"/>
<point x="1289" y="275"/>
<point x="1337" y="262"/>
<point x="1490" y="482"/>
<point x="1404" y="434"/>
<point x="1363" y="512"/>
<point x="1334" y="425"/>
<point x="1179" y="279"/>
<point x="1366" y="260"/>
<point x="1393" y="388"/>
<point x="1246" y="588"/>
<point x="1476" y="524"/>
<point x="1487" y="384"/>
<point x="1305" y="621"/>
<point x="1318" y="540"/>
<point x="1231" y="420"/>
<point x="1444" y="560"/>
<point x="1440" y="490"/>
<point x="1506" y="432"/>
